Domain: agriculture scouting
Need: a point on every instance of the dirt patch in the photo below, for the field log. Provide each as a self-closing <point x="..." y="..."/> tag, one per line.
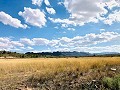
<point x="77" y="80"/>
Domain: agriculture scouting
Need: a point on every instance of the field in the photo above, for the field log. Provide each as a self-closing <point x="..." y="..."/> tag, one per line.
<point x="59" y="73"/>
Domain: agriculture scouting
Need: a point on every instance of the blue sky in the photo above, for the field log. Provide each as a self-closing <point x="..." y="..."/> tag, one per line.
<point x="60" y="25"/>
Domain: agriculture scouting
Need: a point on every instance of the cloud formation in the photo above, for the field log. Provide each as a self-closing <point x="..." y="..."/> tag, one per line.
<point x="80" y="12"/>
<point x="50" y="10"/>
<point x="114" y="17"/>
<point x="85" y="11"/>
<point x="34" y="17"/>
<point x="47" y="2"/>
<point x="77" y="43"/>
<point x="8" y="20"/>
<point x="7" y="44"/>
<point x="37" y="2"/>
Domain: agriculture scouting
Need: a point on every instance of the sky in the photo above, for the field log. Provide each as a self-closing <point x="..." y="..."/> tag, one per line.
<point x="60" y="25"/>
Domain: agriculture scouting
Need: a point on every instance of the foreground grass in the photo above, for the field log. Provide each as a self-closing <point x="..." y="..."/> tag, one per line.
<point x="49" y="67"/>
<point x="52" y="65"/>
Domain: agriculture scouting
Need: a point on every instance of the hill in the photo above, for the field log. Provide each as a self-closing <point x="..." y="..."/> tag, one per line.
<point x="8" y="54"/>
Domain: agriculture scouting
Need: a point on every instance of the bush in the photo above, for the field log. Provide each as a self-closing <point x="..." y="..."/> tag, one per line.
<point x="112" y="83"/>
<point x="116" y="82"/>
<point x="108" y="82"/>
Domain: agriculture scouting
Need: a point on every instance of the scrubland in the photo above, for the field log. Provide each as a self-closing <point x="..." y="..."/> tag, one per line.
<point x="59" y="73"/>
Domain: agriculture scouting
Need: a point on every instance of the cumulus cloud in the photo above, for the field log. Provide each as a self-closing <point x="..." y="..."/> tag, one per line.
<point x="47" y="2"/>
<point x="7" y="44"/>
<point x="114" y="17"/>
<point x="71" y="29"/>
<point x="64" y="22"/>
<point x="26" y="41"/>
<point x="37" y="2"/>
<point x="78" y="43"/>
<point x="88" y="39"/>
<point x="40" y="41"/>
<point x="34" y="41"/>
<point x="112" y="3"/>
<point x="85" y="11"/>
<point x="34" y="17"/>
<point x="80" y="12"/>
<point x="50" y="10"/>
<point x="8" y="20"/>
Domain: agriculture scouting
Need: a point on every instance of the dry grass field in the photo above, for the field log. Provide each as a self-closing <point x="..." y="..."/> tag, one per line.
<point x="28" y="74"/>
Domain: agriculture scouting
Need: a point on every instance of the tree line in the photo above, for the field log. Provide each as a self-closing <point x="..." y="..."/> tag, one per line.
<point x="75" y="54"/>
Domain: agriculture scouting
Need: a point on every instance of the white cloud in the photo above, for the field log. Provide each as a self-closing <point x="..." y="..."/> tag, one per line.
<point x="26" y="41"/>
<point x="50" y="10"/>
<point x="37" y="2"/>
<point x="93" y="49"/>
<point x="60" y="3"/>
<point x="88" y="39"/>
<point x="114" y="17"/>
<point x="40" y="41"/>
<point x="47" y="2"/>
<point x="8" y="20"/>
<point x="34" y="41"/>
<point x="112" y="3"/>
<point x="16" y="43"/>
<point x="64" y="25"/>
<point x="102" y="30"/>
<point x="85" y="11"/>
<point x="7" y="44"/>
<point x="83" y="14"/>
<point x="34" y="17"/>
<point x="98" y="49"/>
<point x="66" y="22"/>
<point x="29" y="48"/>
<point x="56" y="27"/>
<point x="71" y="29"/>
<point x="4" y="39"/>
<point x="80" y="12"/>
<point x="79" y="43"/>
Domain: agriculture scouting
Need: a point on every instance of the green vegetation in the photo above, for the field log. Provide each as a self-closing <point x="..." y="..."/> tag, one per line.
<point x="8" y="54"/>
<point x="112" y="83"/>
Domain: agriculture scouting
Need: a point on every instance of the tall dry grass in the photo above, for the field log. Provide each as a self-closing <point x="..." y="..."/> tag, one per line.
<point x="54" y="65"/>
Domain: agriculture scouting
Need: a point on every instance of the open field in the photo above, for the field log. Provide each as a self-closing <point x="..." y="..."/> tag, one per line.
<point x="56" y="73"/>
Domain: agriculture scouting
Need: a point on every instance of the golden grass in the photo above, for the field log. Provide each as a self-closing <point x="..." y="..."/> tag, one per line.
<point x="53" y="65"/>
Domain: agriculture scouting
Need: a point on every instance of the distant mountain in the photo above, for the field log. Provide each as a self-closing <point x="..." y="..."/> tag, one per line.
<point x="107" y="53"/>
<point x="68" y="54"/>
<point x="8" y="54"/>
<point x="76" y="53"/>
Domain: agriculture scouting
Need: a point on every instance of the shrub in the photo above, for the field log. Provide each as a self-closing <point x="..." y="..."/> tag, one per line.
<point x="116" y="82"/>
<point x="112" y="83"/>
<point x="108" y="82"/>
